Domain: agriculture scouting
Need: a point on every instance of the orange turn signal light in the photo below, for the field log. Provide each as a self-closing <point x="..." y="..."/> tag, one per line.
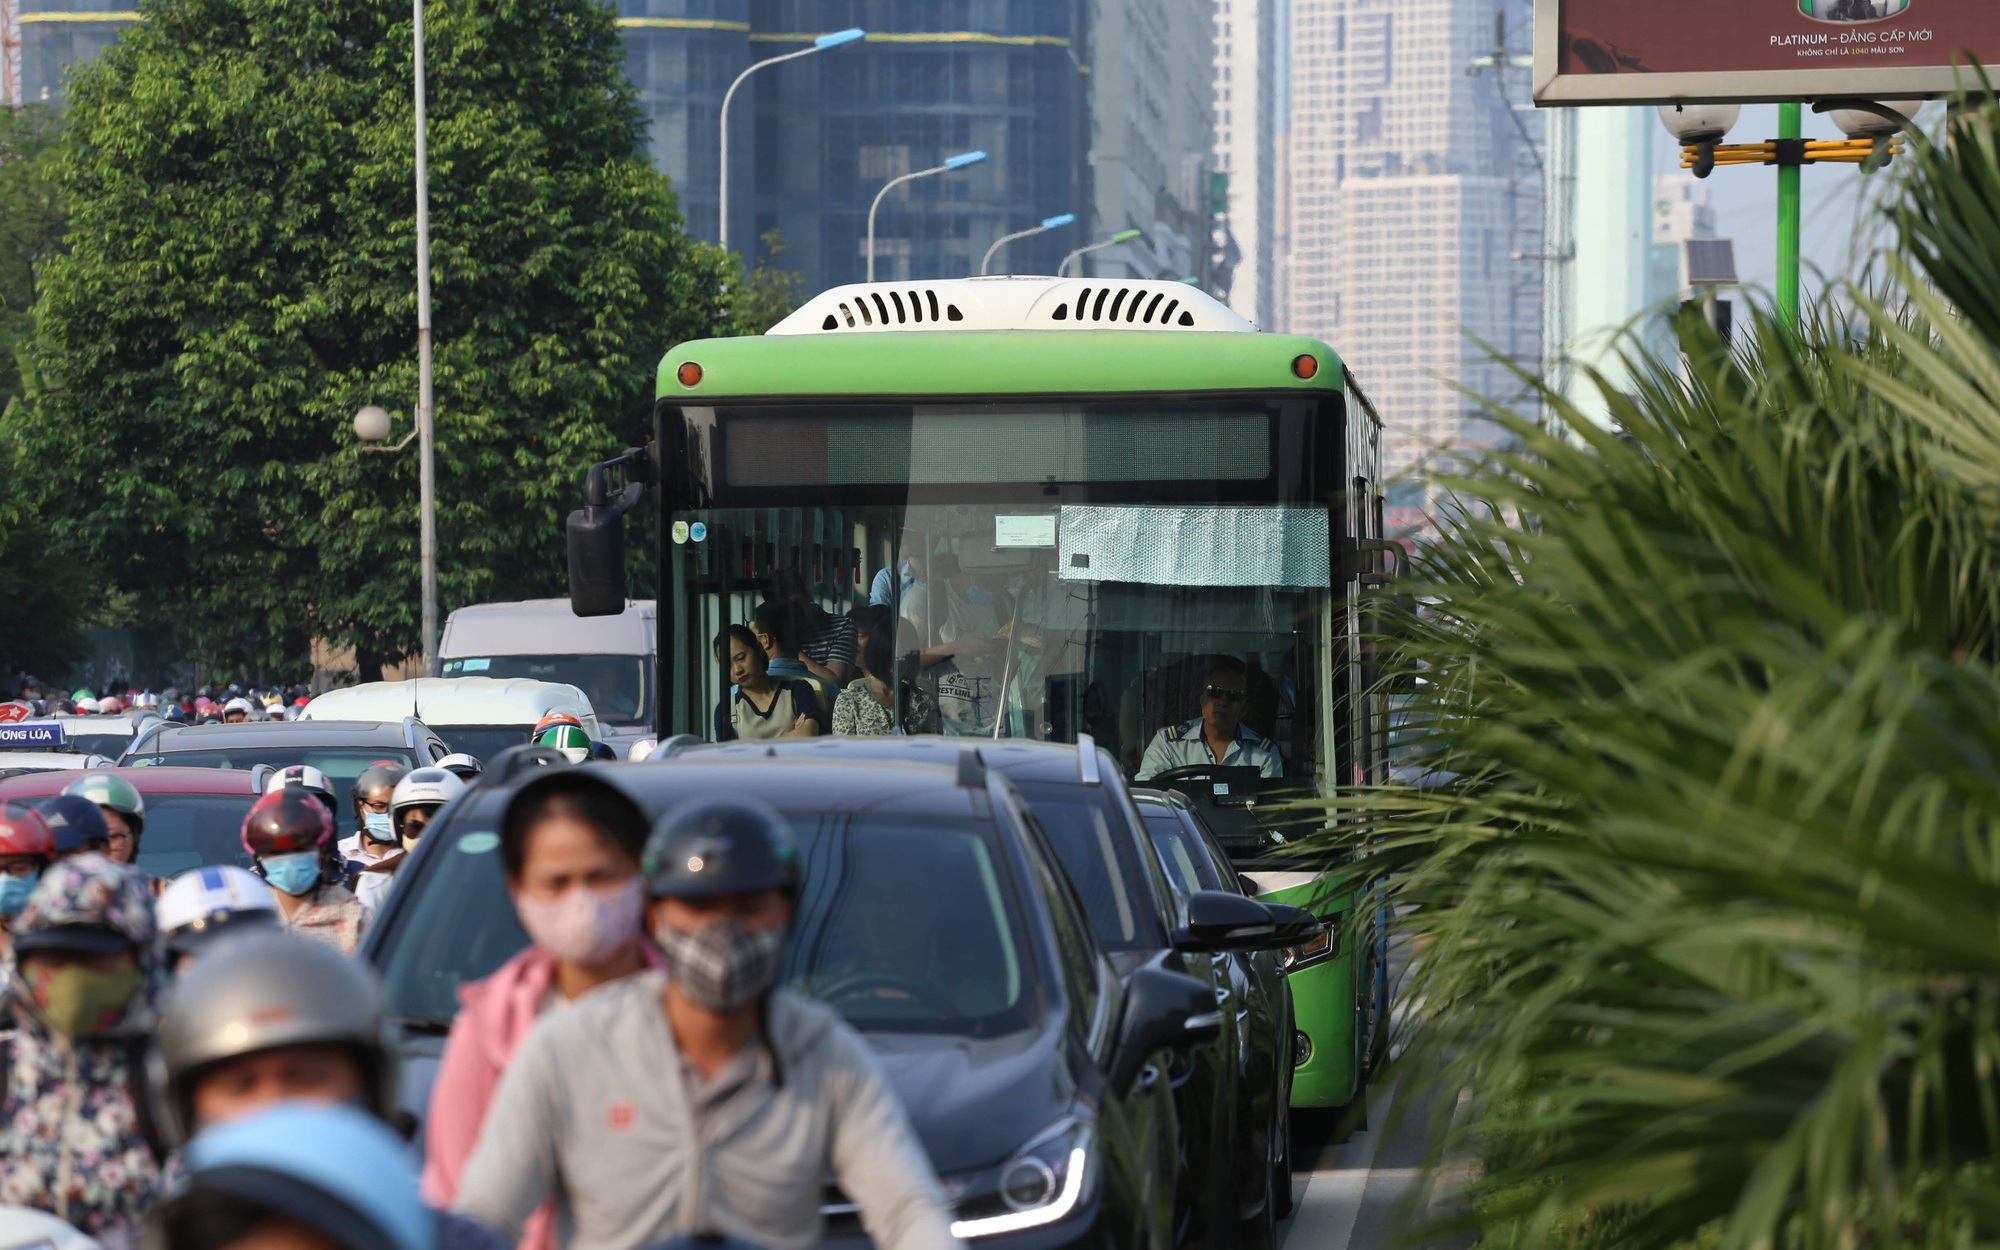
<point x="1302" y="366"/>
<point x="689" y="373"/>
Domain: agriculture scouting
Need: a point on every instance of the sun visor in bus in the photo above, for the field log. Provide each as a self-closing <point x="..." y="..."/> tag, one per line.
<point x="1168" y="546"/>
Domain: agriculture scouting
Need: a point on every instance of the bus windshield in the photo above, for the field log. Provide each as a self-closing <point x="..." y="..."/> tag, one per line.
<point x="1046" y="570"/>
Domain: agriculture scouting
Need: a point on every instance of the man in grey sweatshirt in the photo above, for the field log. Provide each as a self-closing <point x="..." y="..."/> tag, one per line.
<point x="700" y="1100"/>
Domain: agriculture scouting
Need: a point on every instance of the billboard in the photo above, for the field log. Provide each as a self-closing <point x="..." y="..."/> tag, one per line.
<point x="1660" y="51"/>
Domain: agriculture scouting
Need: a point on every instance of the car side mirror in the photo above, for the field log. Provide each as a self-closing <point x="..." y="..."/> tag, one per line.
<point x="596" y="534"/>
<point x="1220" y="921"/>
<point x="1163" y="1011"/>
<point x="1296" y="923"/>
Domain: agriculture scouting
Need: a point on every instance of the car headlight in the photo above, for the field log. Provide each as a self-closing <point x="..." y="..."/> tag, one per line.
<point x="1322" y="946"/>
<point x="1042" y="1183"/>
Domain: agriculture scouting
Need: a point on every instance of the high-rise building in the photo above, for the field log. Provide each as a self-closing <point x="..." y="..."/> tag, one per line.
<point x="1152" y="127"/>
<point x="56" y="35"/>
<point x="681" y="56"/>
<point x="1247" y="83"/>
<point x="1407" y="209"/>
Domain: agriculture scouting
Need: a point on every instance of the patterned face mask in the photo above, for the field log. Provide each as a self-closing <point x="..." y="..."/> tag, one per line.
<point x="722" y="965"/>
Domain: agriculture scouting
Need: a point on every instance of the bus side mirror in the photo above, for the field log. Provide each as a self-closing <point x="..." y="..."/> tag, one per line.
<point x="596" y="535"/>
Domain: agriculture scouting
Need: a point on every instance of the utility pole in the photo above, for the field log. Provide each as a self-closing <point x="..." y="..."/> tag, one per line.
<point x="426" y="431"/>
<point x="10" y="54"/>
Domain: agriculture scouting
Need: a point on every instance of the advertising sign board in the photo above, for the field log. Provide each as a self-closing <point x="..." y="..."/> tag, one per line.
<point x="43" y="735"/>
<point x="1645" y="52"/>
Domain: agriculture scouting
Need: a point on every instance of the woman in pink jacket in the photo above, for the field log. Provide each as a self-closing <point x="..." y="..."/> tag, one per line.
<point x="571" y="851"/>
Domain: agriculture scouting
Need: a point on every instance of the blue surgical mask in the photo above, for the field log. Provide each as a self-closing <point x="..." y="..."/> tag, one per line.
<point x="378" y="828"/>
<point x="979" y="596"/>
<point x="294" y="874"/>
<point x="14" y="892"/>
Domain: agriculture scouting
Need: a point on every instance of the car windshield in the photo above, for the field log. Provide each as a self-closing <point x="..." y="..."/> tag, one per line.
<point x="619" y="687"/>
<point x="872" y="882"/>
<point x="186" y="831"/>
<point x="340" y="764"/>
<point x="482" y="742"/>
<point x="1082" y="827"/>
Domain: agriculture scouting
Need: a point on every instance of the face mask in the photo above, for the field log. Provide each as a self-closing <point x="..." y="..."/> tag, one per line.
<point x="292" y="874"/>
<point x="14" y="892"/>
<point x="722" y="966"/>
<point x="79" y="1001"/>
<point x="377" y="827"/>
<point x="582" y="925"/>
<point x="979" y="596"/>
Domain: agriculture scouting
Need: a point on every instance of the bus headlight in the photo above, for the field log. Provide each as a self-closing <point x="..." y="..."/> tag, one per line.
<point x="1045" y="1181"/>
<point x="1321" y="947"/>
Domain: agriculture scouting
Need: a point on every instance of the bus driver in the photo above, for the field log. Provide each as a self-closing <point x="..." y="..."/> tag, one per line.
<point x="1218" y="735"/>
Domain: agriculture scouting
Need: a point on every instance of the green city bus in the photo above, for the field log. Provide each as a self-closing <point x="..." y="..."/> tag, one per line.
<point x="1081" y="492"/>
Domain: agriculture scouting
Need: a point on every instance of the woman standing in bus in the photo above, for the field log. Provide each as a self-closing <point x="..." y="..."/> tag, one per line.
<point x="759" y="705"/>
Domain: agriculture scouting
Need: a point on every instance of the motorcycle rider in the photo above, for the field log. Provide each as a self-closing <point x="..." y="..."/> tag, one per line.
<point x="268" y="1017"/>
<point x="463" y="766"/>
<point x="27" y="848"/>
<point x="73" y="1021"/>
<point x="297" y="1177"/>
<point x="207" y="903"/>
<point x="309" y="779"/>
<point x="78" y="825"/>
<point x="703" y="1100"/>
<point x="123" y="807"/>
<point x="374" y="836"/>
<point x="416" y="798"/>
<point x="291" y="836"/>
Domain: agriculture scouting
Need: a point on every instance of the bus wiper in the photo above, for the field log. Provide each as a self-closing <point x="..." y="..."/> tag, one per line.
<point x="427" y="1026"/>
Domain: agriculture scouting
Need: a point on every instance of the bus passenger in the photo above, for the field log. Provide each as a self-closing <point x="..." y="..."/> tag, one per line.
<point x="779" y="624"/>
<point x="827" y="645"/>
<point x="880" y="703"/>
<point x="1218" y="736"/>
<point x="759" y="705"/>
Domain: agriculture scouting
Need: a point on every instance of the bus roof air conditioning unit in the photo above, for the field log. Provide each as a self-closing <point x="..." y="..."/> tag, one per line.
<point x="1013" y="304"/>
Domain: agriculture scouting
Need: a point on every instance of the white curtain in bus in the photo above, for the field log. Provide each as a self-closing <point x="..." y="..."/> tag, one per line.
<point x="1161" y="545"/>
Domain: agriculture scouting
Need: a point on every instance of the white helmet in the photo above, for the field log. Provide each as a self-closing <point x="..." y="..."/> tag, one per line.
<point x="300" y="775"/>
<point x="88" y="707"/>
<point x="464" y="767"/>
<point x="203" y="903"/>
<point x="145" y="699"/>
<point x="641" y="749"/>
<point x="425" y="787"/>
<point x="238" y="704"/>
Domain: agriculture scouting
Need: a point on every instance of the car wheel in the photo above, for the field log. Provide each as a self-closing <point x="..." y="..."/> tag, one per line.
<point x="1281" y="1171"/>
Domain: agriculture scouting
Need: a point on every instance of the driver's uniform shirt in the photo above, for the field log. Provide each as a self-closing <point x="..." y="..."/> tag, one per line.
<point x="1178" y="746"/>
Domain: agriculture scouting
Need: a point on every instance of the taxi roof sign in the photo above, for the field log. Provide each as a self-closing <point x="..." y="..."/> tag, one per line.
<point x="33" y="735"/>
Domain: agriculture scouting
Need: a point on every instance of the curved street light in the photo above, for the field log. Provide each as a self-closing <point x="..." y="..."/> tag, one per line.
<point x="821" y="44"/>
<point x="1123" y="236"/>
<point x="953" y="162"/>
<point x="1048" y="223"/>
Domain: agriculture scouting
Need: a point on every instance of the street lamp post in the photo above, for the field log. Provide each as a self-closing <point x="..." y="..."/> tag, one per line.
<point x="1048" y="223"/>
<point x="1123" y="236"/>
<point x="426" y="429"/>
<point x="955" y="162"/>
<point x="820" y="44"/>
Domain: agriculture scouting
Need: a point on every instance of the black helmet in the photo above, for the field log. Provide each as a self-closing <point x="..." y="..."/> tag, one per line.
<point x="720" y="846"/>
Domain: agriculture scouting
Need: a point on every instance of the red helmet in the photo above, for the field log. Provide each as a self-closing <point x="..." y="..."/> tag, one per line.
<point x="24" y="832"/>
<point x="287" y="821"/>
<point x="553" y="718"/>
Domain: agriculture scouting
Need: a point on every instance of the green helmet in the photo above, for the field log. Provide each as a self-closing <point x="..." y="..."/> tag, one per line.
<point x="108" y="790"/>
<point x="572" y="740"/>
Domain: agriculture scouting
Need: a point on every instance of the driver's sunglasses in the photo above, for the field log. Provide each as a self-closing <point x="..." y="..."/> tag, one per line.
<point x="1223" y="694"/>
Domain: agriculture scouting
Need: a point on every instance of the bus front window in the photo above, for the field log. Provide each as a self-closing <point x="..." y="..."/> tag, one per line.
<point x="1124" y="622"/>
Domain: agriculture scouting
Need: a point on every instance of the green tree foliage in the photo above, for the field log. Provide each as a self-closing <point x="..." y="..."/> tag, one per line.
<point x="1706" y="911"/>
<point x="767" y="294"/>
<point x="31" y="230"/>
<point x="243" y="279"/>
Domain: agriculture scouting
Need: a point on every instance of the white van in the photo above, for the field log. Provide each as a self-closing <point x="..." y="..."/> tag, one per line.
<point x="609" y="658"/>
<point x="481" y="716"/>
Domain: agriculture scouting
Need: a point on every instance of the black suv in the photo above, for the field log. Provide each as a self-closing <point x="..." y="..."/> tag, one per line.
<point x="1231" y="1090"/>
<point x="939" y="921"/>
